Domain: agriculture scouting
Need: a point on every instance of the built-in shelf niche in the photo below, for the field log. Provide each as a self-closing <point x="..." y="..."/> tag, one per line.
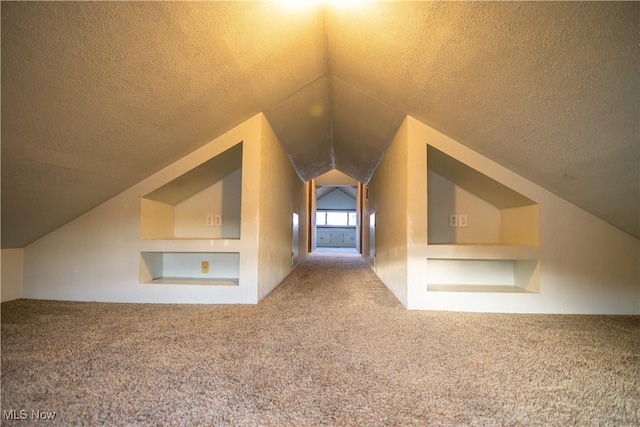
<point x="222" y="269"/>
<point x="186" y="207"/>
<point x="496" y="214"/>
<point x="483" y="275"/>
<point x="497" y="249"/>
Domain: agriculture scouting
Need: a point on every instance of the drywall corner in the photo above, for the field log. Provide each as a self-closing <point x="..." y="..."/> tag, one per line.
<point x="417" y="210"/>
<point x="281" y="194"/>
<point x="11" y="276"/>
<point x="388" y="201"/>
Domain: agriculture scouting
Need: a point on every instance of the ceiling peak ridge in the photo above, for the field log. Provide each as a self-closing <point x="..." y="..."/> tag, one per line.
<point x="365" y="93"/>
<point x="313" y="81"/>
<point x="327" y="67"/>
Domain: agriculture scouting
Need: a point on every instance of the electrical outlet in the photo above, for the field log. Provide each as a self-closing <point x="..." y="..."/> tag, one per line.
<point x="453" y="220"/>
<point x="210" y="220"/>
<point x="204" y="267"/>
<point x="217" y="221"/>
<point x="462" y="221"/>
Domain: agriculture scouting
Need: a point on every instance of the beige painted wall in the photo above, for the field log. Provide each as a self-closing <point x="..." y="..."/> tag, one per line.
<point x="11" y="267"/>
<point x="447" y="198"/>
<point x="223" y="198"/>
<point x="520" y="225"/>
<point x="96" y="257"/>
<point x="157" y="219"/>
<point x="417" y="208"/>
<point x="281" y="194"/>
<point x="388" y="200"/>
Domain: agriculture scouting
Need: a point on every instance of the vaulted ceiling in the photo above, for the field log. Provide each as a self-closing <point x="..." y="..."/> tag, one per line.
<point x="97" y="96"/>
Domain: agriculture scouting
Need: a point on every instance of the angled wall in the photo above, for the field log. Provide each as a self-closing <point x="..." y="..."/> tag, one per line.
<point x="100" y="256"/>
<point x="579" y="263"/>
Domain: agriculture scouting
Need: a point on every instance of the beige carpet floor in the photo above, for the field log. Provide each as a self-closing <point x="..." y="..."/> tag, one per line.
<point x="330" y="346"/>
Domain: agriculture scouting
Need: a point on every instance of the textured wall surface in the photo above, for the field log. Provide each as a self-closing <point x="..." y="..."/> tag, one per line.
<point x="281" y="194"/>
<point x="388" y="200"/>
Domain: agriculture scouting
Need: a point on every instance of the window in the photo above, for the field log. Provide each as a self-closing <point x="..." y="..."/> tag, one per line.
<point x="336" y="218"/>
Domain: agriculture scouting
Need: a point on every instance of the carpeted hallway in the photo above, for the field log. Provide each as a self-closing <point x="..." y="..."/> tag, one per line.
<point x="330" y="346"/>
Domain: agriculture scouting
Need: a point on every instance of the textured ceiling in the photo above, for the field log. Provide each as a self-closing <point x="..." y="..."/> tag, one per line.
<point x="99" y="95"/>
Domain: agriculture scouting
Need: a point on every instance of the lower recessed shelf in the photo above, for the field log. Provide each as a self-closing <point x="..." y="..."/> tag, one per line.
<point x="477" y="288"/>
<point x="192" y="281"/>
<point x="190" y="268"/>
<point x="483" y="275"/>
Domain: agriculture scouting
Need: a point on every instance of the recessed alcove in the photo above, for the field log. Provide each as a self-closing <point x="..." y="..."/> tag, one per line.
<point x="495" y="214"/>
<point x="222" y="269"/>
<point x="495" y="248"/>
<point x="483" y="275"/>
<point x="203" y="203"/>
<point x="193" y="221"/>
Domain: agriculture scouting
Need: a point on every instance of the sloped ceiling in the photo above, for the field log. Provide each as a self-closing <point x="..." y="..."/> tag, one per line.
<point x="99" y="95"/>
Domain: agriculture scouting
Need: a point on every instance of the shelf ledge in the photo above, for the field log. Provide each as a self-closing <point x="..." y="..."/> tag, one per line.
<point x="478" y="288"/>
<point x="480" y="252"/>
<point x="193" y="281"/>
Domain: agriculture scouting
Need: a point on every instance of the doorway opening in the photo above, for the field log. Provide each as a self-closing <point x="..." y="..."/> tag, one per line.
<point x="336" y="209"/>
<point x="336" y="218"/>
